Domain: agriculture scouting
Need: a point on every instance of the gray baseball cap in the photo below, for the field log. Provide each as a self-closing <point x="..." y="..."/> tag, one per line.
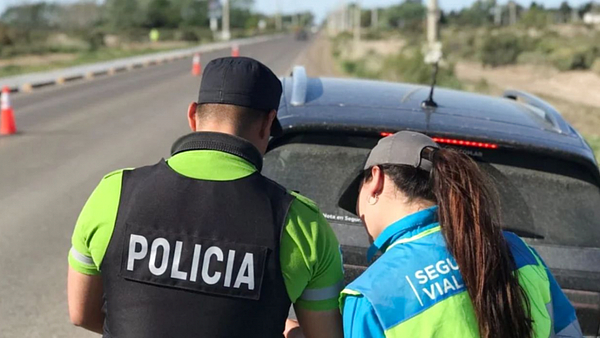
<point x="402" y="148"/>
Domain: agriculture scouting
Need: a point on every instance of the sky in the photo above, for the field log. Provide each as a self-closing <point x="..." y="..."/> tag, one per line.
<point x="321" y="7"/>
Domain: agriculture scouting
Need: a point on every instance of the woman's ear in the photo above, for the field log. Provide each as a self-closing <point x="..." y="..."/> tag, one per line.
<point x="375" y="184"/>
<point x="191" y="115"/>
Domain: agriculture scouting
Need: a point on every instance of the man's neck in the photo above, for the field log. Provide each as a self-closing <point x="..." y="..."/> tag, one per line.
<point x="219" y="128"/>
<point x="225" y="129"/>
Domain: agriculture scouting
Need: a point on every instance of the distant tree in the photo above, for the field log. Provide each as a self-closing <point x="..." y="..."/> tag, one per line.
<point x="5" y="39"/>
<point x="565" y="11"/>
<point x="122" y="14"/>
<point x="307" y="18"/>
<point x="365" y="18"/>
<point x="585" y="8"/>
<point x="536" y="16"/>
<point x="193" y="12"/>
<point x="80" y="15"/>
<point x="565" y="8"/>
<point x="479" y="14"/>
<point x="162" y="13"/>
<point x="40" y="15"/>
<point x="240" y="12"/>
<point x="409" y="15"/>
<point x="31" y="17"/>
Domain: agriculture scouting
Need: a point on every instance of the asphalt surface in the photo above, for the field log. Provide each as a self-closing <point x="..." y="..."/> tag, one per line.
<point x="69" y="137"/>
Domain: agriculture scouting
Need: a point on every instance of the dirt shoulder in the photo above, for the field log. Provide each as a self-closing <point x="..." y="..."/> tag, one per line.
<point x="580" y="87"/>
<point x="318" y="59"/>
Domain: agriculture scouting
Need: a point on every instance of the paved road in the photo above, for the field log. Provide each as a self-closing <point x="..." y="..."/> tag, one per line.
<point x="70" y="137"/>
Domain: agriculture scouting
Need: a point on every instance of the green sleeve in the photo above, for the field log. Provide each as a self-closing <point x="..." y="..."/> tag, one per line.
<point x="95" y="225"/>
<point x="310" y="258"/>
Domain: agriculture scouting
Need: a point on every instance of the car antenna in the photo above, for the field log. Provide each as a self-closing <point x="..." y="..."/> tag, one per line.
<point x="429" y="103"/>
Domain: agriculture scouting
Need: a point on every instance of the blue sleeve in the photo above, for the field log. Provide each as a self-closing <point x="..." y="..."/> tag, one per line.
<point x="360" y="320"/>
<point x="565" y="317"/>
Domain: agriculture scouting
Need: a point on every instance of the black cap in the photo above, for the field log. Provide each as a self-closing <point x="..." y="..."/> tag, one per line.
<point x="244" y="82"/>
<point x="402" y="148"/>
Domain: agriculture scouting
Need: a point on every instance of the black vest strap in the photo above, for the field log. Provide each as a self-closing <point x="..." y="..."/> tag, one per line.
<point x="222" y="142"/>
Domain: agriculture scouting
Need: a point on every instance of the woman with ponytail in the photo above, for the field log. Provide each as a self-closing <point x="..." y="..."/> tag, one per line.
<point x="447" y="269"/>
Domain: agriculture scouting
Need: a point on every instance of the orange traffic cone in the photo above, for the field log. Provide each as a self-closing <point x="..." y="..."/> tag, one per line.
<point x="7" y="117"/>
<point x="196" y="65"/>
<point x="235" y="50"/>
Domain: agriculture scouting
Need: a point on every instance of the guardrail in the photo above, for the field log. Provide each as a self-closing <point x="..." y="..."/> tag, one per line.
<point x="27" y="82"/>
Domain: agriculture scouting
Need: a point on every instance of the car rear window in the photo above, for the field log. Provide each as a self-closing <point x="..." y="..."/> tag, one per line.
<point x="542" y="198"/>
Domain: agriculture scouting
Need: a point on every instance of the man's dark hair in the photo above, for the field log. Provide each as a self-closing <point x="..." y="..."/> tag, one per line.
<point x="240" y="117"/>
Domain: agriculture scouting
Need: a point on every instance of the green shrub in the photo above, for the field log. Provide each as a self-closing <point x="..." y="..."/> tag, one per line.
<point x="567" y="58"/>
<point x="596" y="66"/>
<point x="413" y="69"/>
<point x="502" y="49"/>
<point x="373" y="34"/>
<point x="594" y="142"/>
<point x="188" y="35"/>
<point x="482" y="86"/>
<point x="95" y="38"/>
<point x="360" y="68"/>
<point x="533" y="58"/>
<point x="338" y="42"/>
<point x="5" y="38"/>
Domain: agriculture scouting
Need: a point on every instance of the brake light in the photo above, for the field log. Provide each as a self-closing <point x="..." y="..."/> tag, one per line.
<point x="465" y="143"/>
<point x="452" y="141"/>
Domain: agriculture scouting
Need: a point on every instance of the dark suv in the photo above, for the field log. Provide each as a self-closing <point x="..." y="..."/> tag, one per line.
<point x="545" y="172"/>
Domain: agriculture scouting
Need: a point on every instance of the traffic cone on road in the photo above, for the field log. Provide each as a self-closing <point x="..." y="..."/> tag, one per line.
<point x="235" y="50"/>
<point x="196" y="65"/>
<point x="7" y="116"/>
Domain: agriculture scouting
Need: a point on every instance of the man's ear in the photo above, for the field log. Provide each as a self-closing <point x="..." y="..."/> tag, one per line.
<point x="191" y="114"/>
<point x="265" y="130"/>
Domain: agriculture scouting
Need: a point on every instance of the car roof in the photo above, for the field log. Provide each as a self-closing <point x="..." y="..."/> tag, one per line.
<point x="518" y="119"/>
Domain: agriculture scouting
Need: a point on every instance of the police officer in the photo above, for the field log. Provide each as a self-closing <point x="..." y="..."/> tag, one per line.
<point x="201" y="244"/>
<point x="447" y="269"/>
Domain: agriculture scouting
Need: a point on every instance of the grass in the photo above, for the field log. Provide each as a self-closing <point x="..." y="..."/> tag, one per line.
<point x="408" y="66"/>
<point x="594" y="141"/>
<point x="506" y="46"/>
<point x="82" y="58"/>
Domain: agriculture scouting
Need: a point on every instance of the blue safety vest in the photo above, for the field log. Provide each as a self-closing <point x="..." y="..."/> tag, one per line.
<point x="415" y="288"/>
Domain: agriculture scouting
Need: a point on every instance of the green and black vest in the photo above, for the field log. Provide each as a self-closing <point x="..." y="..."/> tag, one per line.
<point x="196" y="258"/>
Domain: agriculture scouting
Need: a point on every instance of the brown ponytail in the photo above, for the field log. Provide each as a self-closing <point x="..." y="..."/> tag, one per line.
<point x="470" y="220"/>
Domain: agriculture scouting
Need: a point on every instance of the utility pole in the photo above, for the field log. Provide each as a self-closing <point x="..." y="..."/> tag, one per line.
<point x="357" y="23"/>
<point x="226" y="32"/>
<point x="214" y="12"/>
<point x="498" y="15"/>
<point x="278" y="24"/>
<point x="374" y="18"/>
<point x="339" y="21"/>
<point x="344" y="17"/>
<point x="433" y="17"/>
<point x="331" y="23"/>
<point x="574" y="15"/>
<point x="512" y="12"/>
<point x="433" y="48"/>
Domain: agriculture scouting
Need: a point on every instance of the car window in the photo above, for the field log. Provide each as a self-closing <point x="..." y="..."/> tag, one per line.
<point x="542" y="199"/>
